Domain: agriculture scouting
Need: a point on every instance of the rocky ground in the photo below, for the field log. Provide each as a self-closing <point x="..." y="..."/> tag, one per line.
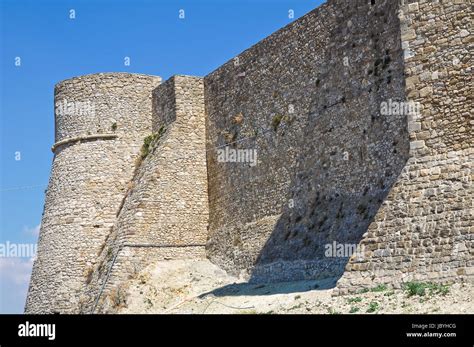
<point x="190" y="286"/>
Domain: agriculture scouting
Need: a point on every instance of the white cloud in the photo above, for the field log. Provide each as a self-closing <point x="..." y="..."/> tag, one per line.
<point x="16" y="270"/>
<point x="15" y="275"/>
<point x="32" y="231"/>
<point x="14" y="280"/>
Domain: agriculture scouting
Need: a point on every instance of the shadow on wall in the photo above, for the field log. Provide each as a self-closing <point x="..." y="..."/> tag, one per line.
<point x="340" y="184"/>
<point x="348" y="156"/>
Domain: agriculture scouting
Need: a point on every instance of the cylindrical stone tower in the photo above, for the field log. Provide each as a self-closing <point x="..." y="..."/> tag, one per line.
<point x="101" y="121"/>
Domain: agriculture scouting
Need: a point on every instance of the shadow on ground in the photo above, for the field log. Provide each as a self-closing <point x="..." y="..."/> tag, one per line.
<point x="252" y="289"/>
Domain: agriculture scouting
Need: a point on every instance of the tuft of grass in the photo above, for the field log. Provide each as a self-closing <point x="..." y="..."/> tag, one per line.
<point x="373" y="306"/>
<point x="147" y="143"/>
<point x="354" y="309"/>
<point x="276" y="121"/>
<point x="110" y="253"/>
<point x="353" y="300"/>
<point x="415" y="288"/>
<point x="150" y="141"/>
<point x="379" y="288"/>
<point x="114" y="126"/>
<point x="425" y="288"/>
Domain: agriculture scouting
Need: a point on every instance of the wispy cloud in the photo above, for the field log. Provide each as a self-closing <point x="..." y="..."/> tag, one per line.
<point x="16" y="270"/>
<point x="34" y="231"/>
<point x="14" y="280"/>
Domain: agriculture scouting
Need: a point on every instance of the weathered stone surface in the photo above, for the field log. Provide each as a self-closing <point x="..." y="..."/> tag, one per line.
<point x="88" y="180"/>
<point x="427" y="218"/>
<point x="332" y="167"/>
<point x="165" y="212"/>
<point x="325" y="169"/>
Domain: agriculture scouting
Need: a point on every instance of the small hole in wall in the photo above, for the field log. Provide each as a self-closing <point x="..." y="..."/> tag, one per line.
<point x="382" y="184"/>
<point x="372" y="2"/>
<point x="361" y="208"/>
<point x="366" y="190"/>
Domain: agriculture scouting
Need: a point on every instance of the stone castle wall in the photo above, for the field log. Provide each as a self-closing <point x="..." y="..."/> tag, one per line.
<point x="424" y="229"/>
<point x="165" y="212"/>
<point x="309" y="96"/>
<point x="331" y="167"/>
<point x="101" y="120"/>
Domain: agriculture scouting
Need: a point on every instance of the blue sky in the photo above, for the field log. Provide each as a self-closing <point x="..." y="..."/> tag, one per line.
<point x="53" y="47"/>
